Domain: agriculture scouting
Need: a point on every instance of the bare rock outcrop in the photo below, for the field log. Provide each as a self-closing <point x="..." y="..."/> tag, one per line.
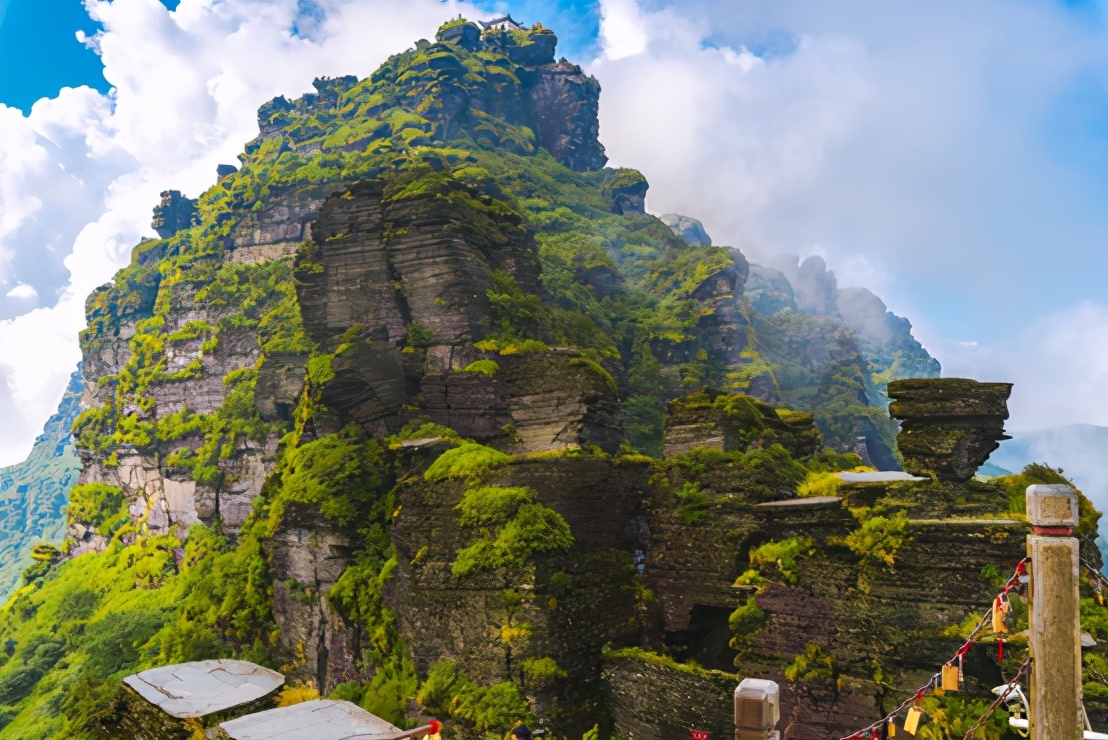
<point x="949" y="425"/>
<point x="567" y="104"/>
<point x="401" y="286"/>
<point x="383" y="264"/>
<point x="307" y="555"/>
<point x="689" y="229"/>
<point x="174" y="213"/>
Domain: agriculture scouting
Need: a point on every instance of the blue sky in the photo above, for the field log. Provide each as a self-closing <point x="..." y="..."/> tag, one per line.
<point x="39" y="53"/>
<point x="953" y="157"/>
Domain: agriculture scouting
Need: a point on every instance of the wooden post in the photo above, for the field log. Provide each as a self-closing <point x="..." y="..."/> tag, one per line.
<point x="1055" y="620"/>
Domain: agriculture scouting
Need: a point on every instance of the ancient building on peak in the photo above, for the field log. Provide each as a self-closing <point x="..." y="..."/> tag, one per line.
<point x="502" y="23"/>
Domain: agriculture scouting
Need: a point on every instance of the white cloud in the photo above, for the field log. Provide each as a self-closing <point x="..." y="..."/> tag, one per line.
<point x="80" y="174"/>
<point x="721" y="134"/>
<point x="1079" y="450"/>
<point x="1058" y="365"/>
<point x="621" y="29"/>
<point x="50" y="187"/>
<point x="956" y="147"/>
<point x="22" y="291"/>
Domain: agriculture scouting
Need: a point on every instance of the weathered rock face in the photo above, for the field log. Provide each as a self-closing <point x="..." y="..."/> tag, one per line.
<point x="383" y="264"/>
<point x="651" y="698"/>
<point x="183" y="372"/>
<point x="272" y="116"/>
<point x="629" y="197"/>
<point x="174" y="213"/>
<point x="307" y="557"/>
<point x="723" y="325"/>
<point x="730" y="423"/>
<point x="846" y="603"/>
<point x="381" y="267"/>
<point x="576" y="601"/>
<point x="567" y="104"/>
<point x="562" y="400"/>
<point x="949" y="425"/>
<point x="369" y="386"/>
<point x="168" y="500"/>
<point x="280" y="383"/>
<point x="689" y="229"/>
<point x="535" y="402"/>
<point x="465" y="35"/>
<point x="274" y="231"/>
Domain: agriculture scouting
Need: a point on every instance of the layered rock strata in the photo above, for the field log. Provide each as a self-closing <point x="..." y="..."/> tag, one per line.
<point x="949" y="426"/>
<point x="693" y="564"/>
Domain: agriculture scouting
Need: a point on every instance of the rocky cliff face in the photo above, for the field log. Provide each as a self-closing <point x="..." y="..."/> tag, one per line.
<point x="817" y="347"/>
<point x="162" y="360"/>
<point x="174" y="213"/>
<point x="427" y="411"/>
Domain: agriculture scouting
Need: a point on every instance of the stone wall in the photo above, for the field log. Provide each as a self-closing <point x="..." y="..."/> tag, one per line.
<point x="857" y="609"/>
<point x="577" y="601"/>
<point x="650" y="697"/>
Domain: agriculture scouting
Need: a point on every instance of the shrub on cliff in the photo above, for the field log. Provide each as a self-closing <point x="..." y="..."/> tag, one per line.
<point x="469" y="460"/>
<point x="757" y="475"/>
<point x="879" y="538"/>
<point x="513" y="527"/>
<point x="94" y="504"/>
<point x="746" y="622"/>
<point x="449" y="692"/>
<point x="337" y="475"/>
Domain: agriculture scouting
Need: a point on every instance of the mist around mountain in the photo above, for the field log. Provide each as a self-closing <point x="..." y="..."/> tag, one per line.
<point x="1080" y="451"/>
<point x="34" y="493"/>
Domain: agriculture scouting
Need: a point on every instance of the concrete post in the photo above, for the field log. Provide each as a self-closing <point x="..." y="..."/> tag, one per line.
<point x="757" y="709"/>
<point x="1055" y="620"/>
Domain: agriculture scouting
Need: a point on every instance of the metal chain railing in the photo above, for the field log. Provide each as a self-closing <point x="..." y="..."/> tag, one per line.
<point x="999" y="700"/>
<point x="872" y="731"/>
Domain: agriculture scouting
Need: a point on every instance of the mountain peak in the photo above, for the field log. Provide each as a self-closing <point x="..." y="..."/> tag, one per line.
<point x="496" y="85"/>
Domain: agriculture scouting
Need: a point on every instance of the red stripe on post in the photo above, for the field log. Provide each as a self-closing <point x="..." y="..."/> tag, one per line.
<point x="1053" y="531"/>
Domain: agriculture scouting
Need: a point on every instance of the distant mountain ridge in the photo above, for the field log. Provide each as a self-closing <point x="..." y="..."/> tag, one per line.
<point x="805" y="329"/>
<point x="1080" y="450"/>
<point x="35" y="492"/>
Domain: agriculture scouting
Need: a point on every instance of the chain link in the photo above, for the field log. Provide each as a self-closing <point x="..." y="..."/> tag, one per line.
<point x="1013" y="583"/>
<point x="996" y="704"/>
